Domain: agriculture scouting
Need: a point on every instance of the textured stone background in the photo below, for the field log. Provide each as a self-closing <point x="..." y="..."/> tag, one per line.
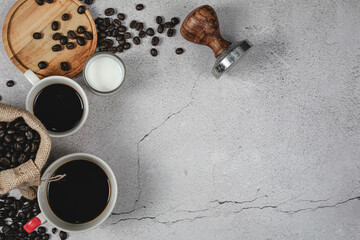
<point x="269" y="151"/>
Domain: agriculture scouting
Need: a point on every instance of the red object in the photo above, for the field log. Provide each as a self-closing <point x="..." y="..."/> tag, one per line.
<point x="32" y="224"/>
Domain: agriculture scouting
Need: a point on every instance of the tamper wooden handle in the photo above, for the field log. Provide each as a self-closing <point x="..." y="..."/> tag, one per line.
<point x="202" y="26"/>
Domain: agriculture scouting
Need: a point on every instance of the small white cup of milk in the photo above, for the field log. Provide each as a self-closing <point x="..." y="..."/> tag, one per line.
<point x="104" y="73"/>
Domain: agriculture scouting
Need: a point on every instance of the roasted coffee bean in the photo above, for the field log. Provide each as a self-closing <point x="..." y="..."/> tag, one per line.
<point x="139" y="26"/>
<point x="89" y="2"/>
<point x="120" y="48"/>
<point x="108" y="34"/>
<point x="41" y="230"/>
<point x="121" y="16"/>
<point x="37" y="35"/>
<point x="117" y="22"/>
<point x="175" y="20"/>
<point x="63" y="235"/>
<point x="29" y="135"/>
<point x="56" y="48"/>
<point x="14" y="226"/>
<point x="63" y="40"/>
<point x="120" y="37"/>
<point x="133" y="24"/>
<point x="40" y="2"/>
<point x="65" y="17"/>
<point x="10" y="83"/>
<point x="6" y="229"/>
<point x="5" y="163"/>
<point x="179" y="51"/>
<point x="88" y="35"/>
<point x="37" y="238"/>
<point x="102" y="35"/>
<point x="139" y="7"/>
<point x="9" y="201"/>
<point x="54" y="230"/>
<point x="81" y="10"/>
<point x="27" y="148"/>
<point x="21" y="138"/>
<point x="55" y="25"/>
<point x="142" y="34"/>
<point x="150" y="32"/>
<point x="171" y="32"/>
<point x="136" y="40"/>
<point x="109" y="11"/>
<point x="159" y="20"/>
<point x="155" y="41"/>
<point x="160" y="28"/>
<point x="113" y="49"/>
<point x="111" y="27"/>
<point x="56" y="36"/>
<point x="122" y="29"/>
<point x="71" y="34"/>
<point x="153" y="52"/>
<point x="99" y="20"/>
<point x="168" y="25"/>
<point x="41" y="65"/>
<point x="49" y="1"/>
<point x="127" y="46"/>
<point x="81" y="41"/>
<point x="18" y="147"/>
<point x="45" y="237"/>
<point x="127" y="35"/>
<point x="64" y="66"/>
<point x="107" y="21"/>
<point x="122" y="41"/>
<point x="80" y="30"/>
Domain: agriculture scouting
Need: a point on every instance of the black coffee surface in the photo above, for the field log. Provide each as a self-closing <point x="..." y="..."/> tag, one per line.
<point x="82" y="195"/>
<point x="59" y="107"/>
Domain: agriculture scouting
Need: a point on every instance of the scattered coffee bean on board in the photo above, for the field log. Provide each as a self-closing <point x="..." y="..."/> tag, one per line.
<point x="168" y="25"/>
<point x="109" y="11"/>
<point x="63" y="235"/>
<point x="139" y="26"/>
<point x="42" y="65"/>
<point x="70" y="45"/>
<point x="55" y="25"/>
<point x="89" y="2"/>
<point x="150" y="32"/>
<point x="175" y="21"/>
<point x="81" y="41"/>
<point x="179" y="51"/>
<point x="117" y="22"/>
<point x="153" y="52"/>
<point x="37" y="35"/>
<point x="136" y="40"/>
<point x="81" y="10"/>
<point x="56" y="36"/>
<point x="127" y="35"/>
<point x="155" y="41"/>
<point x="171" y="32"/>
<point x="139" y="7"/>
<point x="133" y="24"/>
<point x="142" y="34"/>
<point x="56" y="48"/>
<point x="40" y="2"/>
<point x="80" y="30"/>
<point x="64" y="66"/>
<point x="54" y="230"/>
<point x="161" y="28"/>
<point x="127" y="46"/>
<point x="159" y="20"/>
<point x="63" y="40"/>
<point x="10" y="83"/>
<point x="121" y="16"/>
<point x="65" y="17"/>
<point x="71" y="34"/>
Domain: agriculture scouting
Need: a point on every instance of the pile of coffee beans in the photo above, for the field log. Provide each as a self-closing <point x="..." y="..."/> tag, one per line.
<point x="18" y="143"/>
<point x="80" y="37"/>
<point x="114" y="35"/>
<point x="15" y="213"/>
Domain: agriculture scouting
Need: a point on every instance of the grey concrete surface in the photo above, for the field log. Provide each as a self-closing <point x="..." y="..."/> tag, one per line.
<point x="269" y="151"/>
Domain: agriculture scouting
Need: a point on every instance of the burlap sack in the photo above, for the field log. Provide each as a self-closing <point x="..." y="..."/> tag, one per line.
<point x="25" y="177"/>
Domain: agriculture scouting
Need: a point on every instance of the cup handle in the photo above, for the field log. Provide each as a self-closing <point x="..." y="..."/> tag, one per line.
<point x="31" y="76"/>
<point x="34" y="223"/>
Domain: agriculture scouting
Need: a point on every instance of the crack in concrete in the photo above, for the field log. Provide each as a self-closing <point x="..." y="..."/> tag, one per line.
<point x="233" y="202"/>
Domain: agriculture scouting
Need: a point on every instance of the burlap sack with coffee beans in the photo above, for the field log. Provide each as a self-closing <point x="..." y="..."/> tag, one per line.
<point x="27" y="176"/>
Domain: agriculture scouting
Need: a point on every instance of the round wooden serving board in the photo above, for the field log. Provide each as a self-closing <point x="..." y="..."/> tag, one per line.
<point x="27" y="17"/>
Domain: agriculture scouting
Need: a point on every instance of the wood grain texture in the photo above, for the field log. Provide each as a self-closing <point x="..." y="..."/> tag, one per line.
<point x="201" y="26"/>
<point x="26" y="17"/>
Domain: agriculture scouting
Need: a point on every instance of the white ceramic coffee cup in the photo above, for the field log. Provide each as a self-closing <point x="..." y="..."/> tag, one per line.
<point x="38" y="85"/>
<point x="48" y="215"/>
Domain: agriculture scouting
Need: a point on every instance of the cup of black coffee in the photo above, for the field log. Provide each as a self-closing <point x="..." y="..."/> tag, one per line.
<point x="58" y="102"/>
<point x="78" y="193"/>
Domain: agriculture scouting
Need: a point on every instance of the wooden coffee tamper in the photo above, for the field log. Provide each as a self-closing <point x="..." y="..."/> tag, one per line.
<point x="201" y="26"/>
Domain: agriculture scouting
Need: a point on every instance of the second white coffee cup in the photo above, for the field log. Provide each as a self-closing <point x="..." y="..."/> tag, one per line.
<point x="39" y="85"/>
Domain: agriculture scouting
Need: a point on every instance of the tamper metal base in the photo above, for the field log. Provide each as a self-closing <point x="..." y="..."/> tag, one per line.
<point x="231" y="55"/>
